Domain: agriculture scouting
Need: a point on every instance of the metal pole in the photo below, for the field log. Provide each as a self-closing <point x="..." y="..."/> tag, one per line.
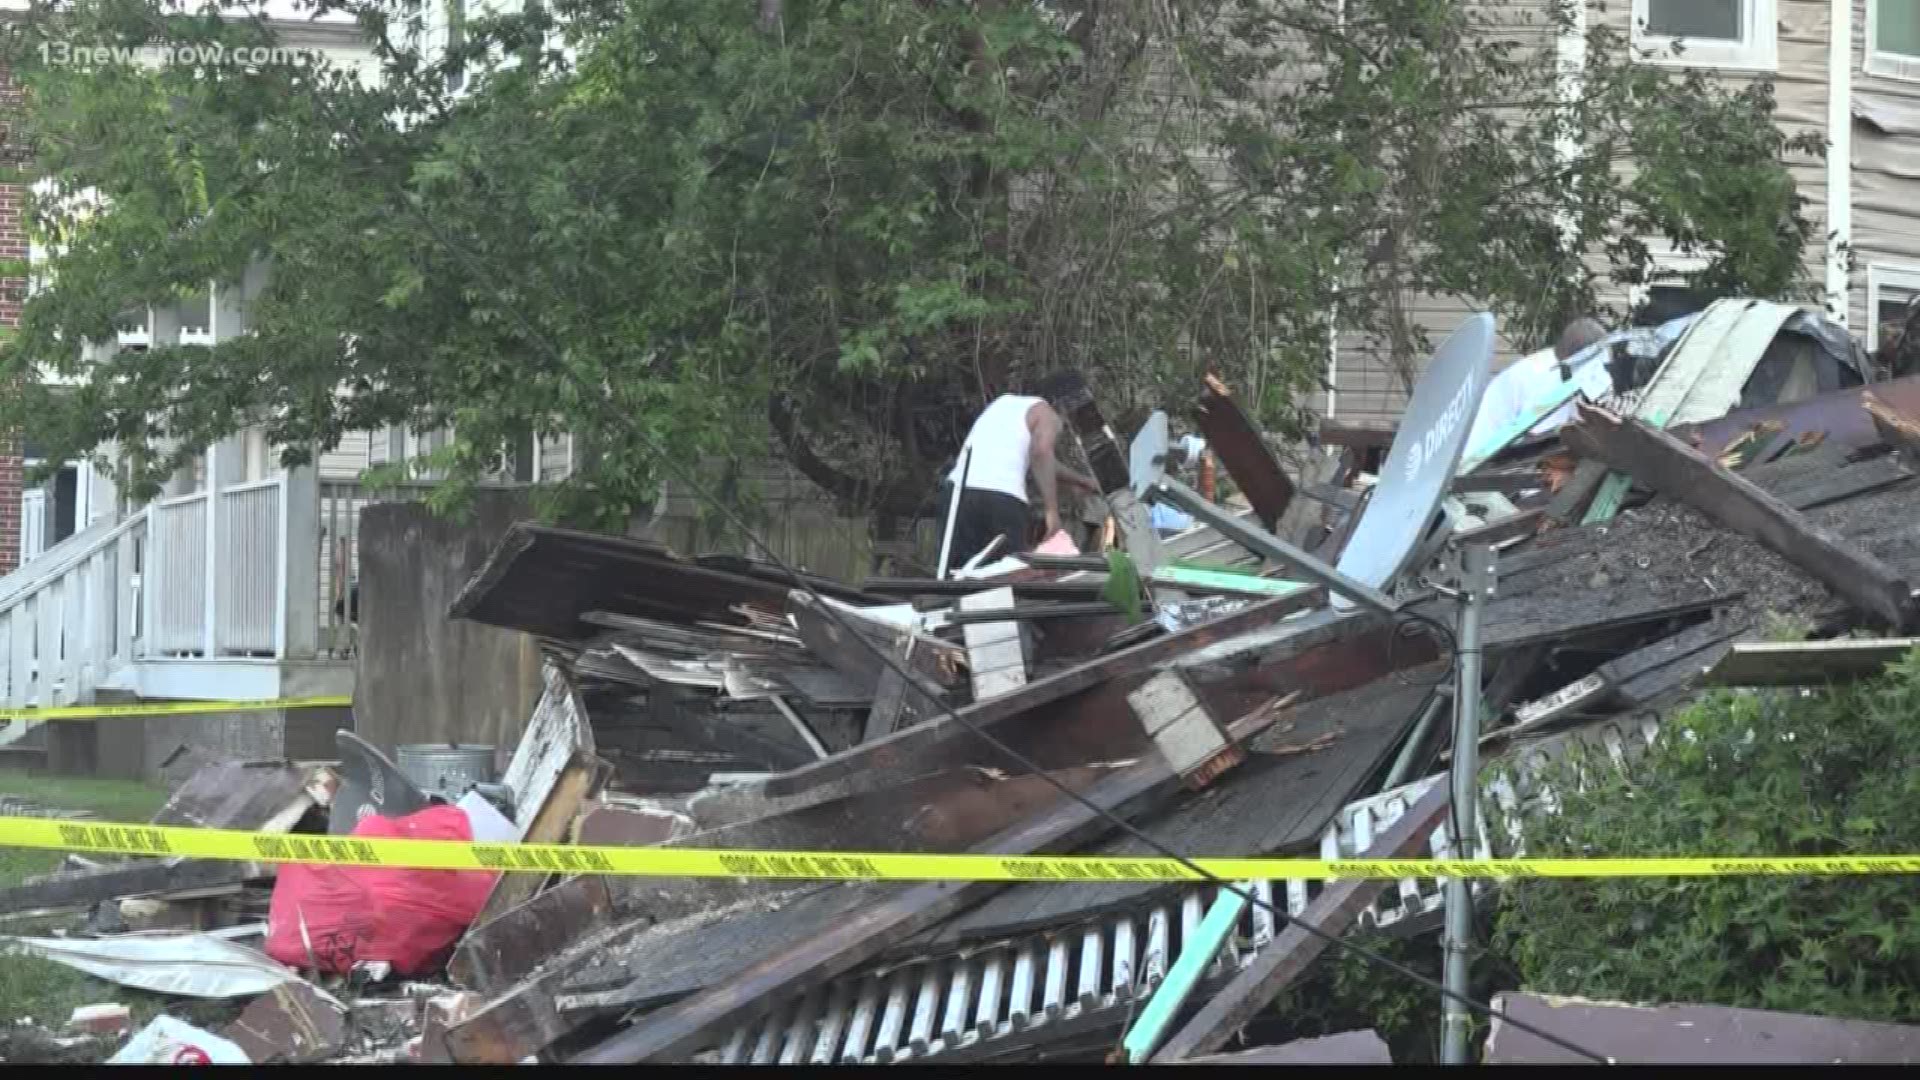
<point x="1261" y="542"/>
<point x="953" y="512"/>
<point x="1476" y="585"/>
<point x="1403" y="764"/>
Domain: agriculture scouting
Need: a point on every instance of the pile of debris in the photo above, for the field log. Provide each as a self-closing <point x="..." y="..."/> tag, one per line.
<point x="1207" y="698"/>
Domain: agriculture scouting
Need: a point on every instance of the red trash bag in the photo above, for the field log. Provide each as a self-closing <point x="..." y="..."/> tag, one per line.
<point x="408" y="918"/>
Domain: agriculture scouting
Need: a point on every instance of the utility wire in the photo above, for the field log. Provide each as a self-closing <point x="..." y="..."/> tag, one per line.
<point x="539" y="339"/>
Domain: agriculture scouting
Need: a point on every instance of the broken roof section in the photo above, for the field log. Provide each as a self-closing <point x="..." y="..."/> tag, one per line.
<point x="733" y="716"/>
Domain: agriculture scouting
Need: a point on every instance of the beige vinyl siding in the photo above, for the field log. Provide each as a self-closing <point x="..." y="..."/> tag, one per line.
<point x="1800" y="105"/>
<point x="1367" y="390"/>
<point x="349" y="459"/>
<point x="1886" y="176"/>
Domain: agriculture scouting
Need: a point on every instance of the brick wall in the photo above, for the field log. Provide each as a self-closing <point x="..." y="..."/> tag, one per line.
<point x="13" y="248"/>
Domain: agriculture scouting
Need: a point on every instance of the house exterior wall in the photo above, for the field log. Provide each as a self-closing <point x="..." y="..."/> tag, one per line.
<point x="1885" y="163"/>
<point x="13" y="250"/>
<point x="1886" y="199"/>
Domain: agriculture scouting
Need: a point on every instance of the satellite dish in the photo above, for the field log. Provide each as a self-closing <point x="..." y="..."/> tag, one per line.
<point x="1147" y="458"/>
<point x="1421" y="463"/>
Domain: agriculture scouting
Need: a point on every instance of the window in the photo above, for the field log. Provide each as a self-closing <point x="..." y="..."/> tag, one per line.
<point x="196" y="319"/>
<point x="1708" y="33"/>
<point x="1893" y="39"/>
<point x="1889" y="290"/>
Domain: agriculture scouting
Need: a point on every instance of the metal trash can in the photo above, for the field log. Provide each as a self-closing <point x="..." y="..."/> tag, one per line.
<point x="448" y="770"/>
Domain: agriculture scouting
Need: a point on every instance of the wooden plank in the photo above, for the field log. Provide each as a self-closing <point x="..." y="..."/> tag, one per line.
<point x="1290" y="954"/>
<point x="996" y="651"/>
<point x="1689" y="1035"/>
<point x="1505" y="482"/>
<point x="1676" y="470"/>
<point x="1295" y="780"/>
<point x="557" y="731"/>
<point x="1845" y="483"/>
<point x="690" y="714"/>
<point x="116" y="882"/>
<point x="549" y="826"/>
<point x="890" y="706"/>
<point x="1248" y="459"/>
<point x="1807" y="663"/>
<point x="1513" y="526"/>
<point x="938" y="665"/>
<point x="502" y="949"/>
<point x="1895" y="429"/>
<point x="1344" y="499"/>
<point x="1569" y="505"/>
<point x="1357" y="436"/>
<point x="918" y="748"/>
<point x="1346" y="1048"/>
<point x="680" y="1028"/>
<point x="551" y="773"/>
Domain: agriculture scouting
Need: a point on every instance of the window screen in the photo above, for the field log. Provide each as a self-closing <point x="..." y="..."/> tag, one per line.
<point x="1717" y="20"/>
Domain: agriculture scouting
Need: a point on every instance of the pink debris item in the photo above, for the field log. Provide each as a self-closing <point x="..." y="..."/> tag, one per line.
<point x="1058" y="544"/>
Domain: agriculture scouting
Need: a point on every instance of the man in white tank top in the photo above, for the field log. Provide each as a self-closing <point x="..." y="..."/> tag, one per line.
<point x="1012" y="439"/>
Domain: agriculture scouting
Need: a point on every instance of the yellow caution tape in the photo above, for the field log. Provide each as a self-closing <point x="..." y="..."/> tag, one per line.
<point x="171" y="708"/>
<point x="860" y="866"/>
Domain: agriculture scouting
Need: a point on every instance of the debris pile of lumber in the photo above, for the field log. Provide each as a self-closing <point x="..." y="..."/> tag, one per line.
<point x="1643" y="550"/>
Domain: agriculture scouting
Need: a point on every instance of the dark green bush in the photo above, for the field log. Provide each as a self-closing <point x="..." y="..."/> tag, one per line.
<point x="1786" y="773"/>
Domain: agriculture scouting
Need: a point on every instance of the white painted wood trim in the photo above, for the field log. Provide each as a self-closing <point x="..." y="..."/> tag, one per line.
<point x="1840" y="156"/>
<point x="1759" y="49"/>
<point x="282" y="584"/>
<point x="210" y="615"/>
<point x="1882" y="277"/>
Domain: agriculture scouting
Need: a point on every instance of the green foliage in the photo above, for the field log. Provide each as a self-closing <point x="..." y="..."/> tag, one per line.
<point x="696" y="236"/>
<point x="1741" y="774"/>
<point x="1346" y="992"/>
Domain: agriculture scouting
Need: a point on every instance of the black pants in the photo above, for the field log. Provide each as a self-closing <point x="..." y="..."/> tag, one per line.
<point x="981" y="516"/>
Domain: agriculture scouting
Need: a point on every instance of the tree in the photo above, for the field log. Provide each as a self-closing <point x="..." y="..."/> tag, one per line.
<point x="1773" y="774"/>
<point x="832" y="226"/>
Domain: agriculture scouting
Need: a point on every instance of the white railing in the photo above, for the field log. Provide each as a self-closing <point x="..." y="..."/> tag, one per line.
<point x="71" y="617"/>
<point x="249" y="560"/>
<point x="223" y="575"/>
<point x="177" y="596"/>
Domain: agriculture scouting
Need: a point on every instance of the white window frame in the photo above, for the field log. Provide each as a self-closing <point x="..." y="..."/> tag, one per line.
<point x="1887" y="65"/>
<point x="1669" y="268"/>
<point x="1880" y="278"/>
<point x="1758" y="51"/>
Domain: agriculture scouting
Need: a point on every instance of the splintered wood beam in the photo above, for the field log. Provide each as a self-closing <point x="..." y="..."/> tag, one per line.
<point x="925" y="746"/>
<point x="1896" y="429"/>
<point x="680" y="1028"/>
<point x="506" y="948"/>
<point x="1674" y="469"/>
<point x="1290" y="954"/>
<point x="1807" y="663"/>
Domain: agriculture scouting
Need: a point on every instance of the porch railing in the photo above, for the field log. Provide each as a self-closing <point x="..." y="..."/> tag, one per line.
<point x="71" y="617"/>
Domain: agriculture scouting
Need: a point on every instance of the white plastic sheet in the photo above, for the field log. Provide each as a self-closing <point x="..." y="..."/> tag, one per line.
<point x="189" y="965"/>
<point x="167" y="1041"/>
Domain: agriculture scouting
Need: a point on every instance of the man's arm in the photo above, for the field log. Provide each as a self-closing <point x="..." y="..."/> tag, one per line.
<point x="1075" y="478"/>
<point x="1045" y="425"/>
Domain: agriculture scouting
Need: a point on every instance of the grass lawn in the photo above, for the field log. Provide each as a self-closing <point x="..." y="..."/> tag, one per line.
<point x="49" y="992"/>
